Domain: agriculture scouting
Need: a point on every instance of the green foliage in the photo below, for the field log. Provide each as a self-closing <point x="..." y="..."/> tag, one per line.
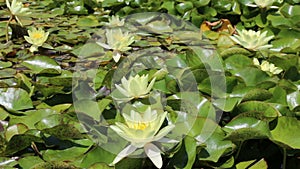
<point x="56" y="104"/>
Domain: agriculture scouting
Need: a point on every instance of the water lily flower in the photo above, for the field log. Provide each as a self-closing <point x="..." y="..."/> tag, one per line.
<point x="37" y="38"/>
<point x="16" y="9"/>
<point x="141" y="130"/>
<point x="263" y="3"/>
<point x="134" y="87"/>
<point x="265" y="66"/>
<point x="252" y="40"/>
<point x="118" y="42"/>
<point x="115" y="21"/>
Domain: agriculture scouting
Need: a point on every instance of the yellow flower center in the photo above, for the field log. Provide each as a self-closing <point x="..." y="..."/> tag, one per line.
<point x="37" y="35"/>
<point x="139" y="126"/>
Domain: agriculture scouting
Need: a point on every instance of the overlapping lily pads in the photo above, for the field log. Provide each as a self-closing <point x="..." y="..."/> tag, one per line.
<point x="214" y="92"/>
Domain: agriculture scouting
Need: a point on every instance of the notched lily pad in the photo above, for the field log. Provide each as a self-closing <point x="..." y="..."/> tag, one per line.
<point x="286" y="132"/>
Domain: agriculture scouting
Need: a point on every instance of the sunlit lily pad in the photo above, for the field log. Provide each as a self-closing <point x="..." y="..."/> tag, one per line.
<point x="244" y="128"/>
<point x="42" y="64"/>
<point x="15" y="99"/>
<point x="286" y="132"/>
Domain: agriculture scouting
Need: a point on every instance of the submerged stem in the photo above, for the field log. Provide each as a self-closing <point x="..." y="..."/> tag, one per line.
<point x="239" y="150"/>
<point x="284" y="159"/>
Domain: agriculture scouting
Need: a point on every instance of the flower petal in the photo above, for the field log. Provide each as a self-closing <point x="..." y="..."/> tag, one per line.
<point x="124" y="153"/>
<point x="116" y="56"/>
<point x="154" y="154"/>
<point x="122" y="90"/>
<point x="163" y="132"/>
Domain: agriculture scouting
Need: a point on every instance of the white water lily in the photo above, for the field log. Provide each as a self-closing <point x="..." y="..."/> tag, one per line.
<point x="141" y="129"/>
<point x="264" y="3"/>
<point x="252" y="40"/>
<point x="134" y="87"/>
<point x="17" y="9"/>
<point x="118" y="42"/>
<point x="115" y="21"/>
<point x="267" y="67"/>
<point x="37" y="37"/>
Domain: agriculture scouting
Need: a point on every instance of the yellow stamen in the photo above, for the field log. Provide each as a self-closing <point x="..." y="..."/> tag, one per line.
<point x="37" y="35"/>
<point x="139" y="126"/>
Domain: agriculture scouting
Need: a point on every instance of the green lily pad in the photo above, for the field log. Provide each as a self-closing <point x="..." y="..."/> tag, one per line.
<point x="184" y="7"/>
<point x="227" y="104"/>
<point x="286" y="133"/>
<point x="7" y="163"/>
<point x="251" y="76"/>
<point x="15" y="99"/>
<point x="20" y="142"/>
<point x="186" y="155"/>
<point x="64" y="132"/>
<point x="290" y="10"/>
<point x="259" y="110"/>
<point x="7" y="73"/>
<point x="293" y="100"/>
<point x="159" y="27"/>
<point x="53" y="164"/>
<point x="42" y="64"/>
<point x="100" y="166"/>
<point x="257" y="94"/>
<point x="32" y="117"/>
<point x="97" y="155"/>
<point x="5" y="64"/>
<point x="237" y="61"/>
<point x="91" y="108"/>
<point x="88" y="21"/>
<point x="261" y="164"/>
<point x="245" y="128"/>
<point x="215" y="147"/>
<point x="69" y="154"/>
<point x="29" y="161"/>
<point x="14" y="130"/>
<point x="52" y="121"/>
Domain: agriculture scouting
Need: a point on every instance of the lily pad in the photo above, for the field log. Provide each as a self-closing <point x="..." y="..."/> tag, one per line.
<point x="286" y="132"/>
<point x="42" y="64"/>
<point x="15" y="99"/>
<point x="293" y="100"/>
<point x="89" y="21"/>
<point x="14" y="130"/>
<point x="245" y="128"/>
<point x="259" y="110"/>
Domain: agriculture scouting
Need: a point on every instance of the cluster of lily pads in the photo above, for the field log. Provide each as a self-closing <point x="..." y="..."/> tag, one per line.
<point x="149" y="84"/>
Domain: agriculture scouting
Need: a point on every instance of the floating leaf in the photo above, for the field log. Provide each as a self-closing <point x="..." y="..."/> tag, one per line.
<point x="20" y="142"/>
<point x="29" y="161"/>
<point x="5" y="64"/>
<point x="261" y="164"/>
<point x="259" y="110"/>
<point x="286" y="133"/>
<point x="89" y="21"/>
<point x="97" y="155"/>
<point x="100" y="166"/>
<point x="293" y="100"/>
<point x="15" y="99"/>
<point x="245" y="128"/>
<point x="42" y="64"/>
<point x="15" y="130"/>
<point x="215" y="146"/>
